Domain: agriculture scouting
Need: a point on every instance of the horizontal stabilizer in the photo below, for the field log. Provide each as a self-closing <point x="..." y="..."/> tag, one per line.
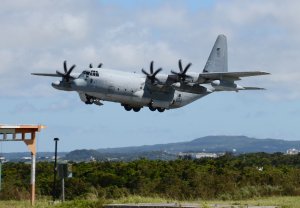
<point x="232" y="76"/>
<point x="253" y="88"/>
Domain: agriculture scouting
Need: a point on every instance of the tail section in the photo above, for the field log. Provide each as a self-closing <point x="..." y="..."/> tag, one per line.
<point x="217" y="60"/>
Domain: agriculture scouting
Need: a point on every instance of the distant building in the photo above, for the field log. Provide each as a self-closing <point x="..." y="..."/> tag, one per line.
<point x="92" y="159"/>
<point x="202" y="155"/>
<point x="198" y="155"/>
<point x="25" y="158"/>
<point x="292" y="151"/>
<point x="53" y="157"/>
<point x="2" y="159"/>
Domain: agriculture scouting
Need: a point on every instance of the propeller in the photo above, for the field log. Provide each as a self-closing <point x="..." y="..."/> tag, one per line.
<point x="152" y="75"/>
<point x="67" y="73"/>
<point x="99" y="66"/>
<point x="182" y="74"/>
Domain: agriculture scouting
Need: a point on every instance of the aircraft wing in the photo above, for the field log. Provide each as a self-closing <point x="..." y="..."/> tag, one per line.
<point x="231" y="76"/>
<point x="46" y="74"/>
<point x="73" y="75"/>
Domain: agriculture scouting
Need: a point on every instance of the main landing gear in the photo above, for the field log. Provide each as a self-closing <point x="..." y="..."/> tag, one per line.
<point x="137" y="109"/>
<point x="129" y="108"/>
<point x="158" y="109"/>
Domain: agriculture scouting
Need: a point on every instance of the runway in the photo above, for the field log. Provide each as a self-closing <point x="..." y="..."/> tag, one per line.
<point x="177" y="205"/>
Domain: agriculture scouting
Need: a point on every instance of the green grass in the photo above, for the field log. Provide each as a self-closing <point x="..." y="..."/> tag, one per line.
<point x="284" y="202"/>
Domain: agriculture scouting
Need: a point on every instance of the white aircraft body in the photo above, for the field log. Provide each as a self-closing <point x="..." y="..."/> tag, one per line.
<point x="152" y="89"/>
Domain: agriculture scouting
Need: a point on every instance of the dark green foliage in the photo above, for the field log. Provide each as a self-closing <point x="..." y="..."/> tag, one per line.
<point x="227" y="177"/>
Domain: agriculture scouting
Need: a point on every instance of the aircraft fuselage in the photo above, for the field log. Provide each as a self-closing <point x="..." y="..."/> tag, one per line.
<point x="127" y="88"/>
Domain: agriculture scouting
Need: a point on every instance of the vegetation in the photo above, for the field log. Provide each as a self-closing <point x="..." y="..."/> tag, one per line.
<point x="225" y="178"/>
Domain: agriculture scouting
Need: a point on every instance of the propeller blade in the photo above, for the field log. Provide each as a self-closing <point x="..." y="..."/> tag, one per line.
<point x="152" y="75"/>
<point x="146" y="73"/>
<point x="180" y="65"/>
<point x="100" y="65"/>
<point x="173" y="72"/>
<point x="60" y="74"/>
<point x="67" y="75"/>
<point x="156" y="72"/>
<point x="91" y="66"/>
<point x="151" y="67"/>
<point x="65" y="66"/>
<point x="187" y="67"/>
<point x="181" y="75"/>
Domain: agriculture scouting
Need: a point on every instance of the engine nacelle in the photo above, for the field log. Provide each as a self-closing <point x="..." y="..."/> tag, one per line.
<point x="216" y="83"/>
<point x="61" y="85"/>
<point x="221" y="85"/>
<point x="190" y="87"/>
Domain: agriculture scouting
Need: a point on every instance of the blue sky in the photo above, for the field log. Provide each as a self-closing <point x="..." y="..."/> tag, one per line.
<point x="38" y="35"/>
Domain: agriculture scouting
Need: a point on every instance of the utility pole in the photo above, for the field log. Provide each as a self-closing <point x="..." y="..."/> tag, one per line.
<point x="63" y="189"/>
<point x="0" y="174"/>
<point x="54" y="170"/>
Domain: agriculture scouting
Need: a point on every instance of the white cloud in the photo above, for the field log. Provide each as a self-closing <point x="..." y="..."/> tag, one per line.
<point x="38" y="36"/>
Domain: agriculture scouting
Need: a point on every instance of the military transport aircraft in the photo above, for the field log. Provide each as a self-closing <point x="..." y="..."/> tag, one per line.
<point x="152" y="89"/>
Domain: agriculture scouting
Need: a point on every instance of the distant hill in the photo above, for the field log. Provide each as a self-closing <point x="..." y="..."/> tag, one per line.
<point x="241" y="144"/>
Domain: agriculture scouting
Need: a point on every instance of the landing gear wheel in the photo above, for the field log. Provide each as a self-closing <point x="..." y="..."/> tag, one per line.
<point x="152" y="108"/>
<point x="161" y="110"/>
<point x="127" y="107"/>
<point x="136" y="109"/>
<point x="89" y="100"/>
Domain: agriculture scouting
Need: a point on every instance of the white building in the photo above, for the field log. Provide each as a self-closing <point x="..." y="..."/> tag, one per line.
<point x="292" y="151"/>
<point x="198" y="155"/>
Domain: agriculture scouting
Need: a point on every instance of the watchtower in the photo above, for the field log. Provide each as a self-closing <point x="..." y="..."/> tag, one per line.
<point x="26" y="134"/>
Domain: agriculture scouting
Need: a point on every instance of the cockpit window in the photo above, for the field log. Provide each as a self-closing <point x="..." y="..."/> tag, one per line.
<point x="94" y="73"/>
<point x="91" y="73"/>
<point x="84" y="74"/>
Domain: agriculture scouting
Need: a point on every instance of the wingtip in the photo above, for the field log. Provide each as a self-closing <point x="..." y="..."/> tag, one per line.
<point x="266" y="73"/>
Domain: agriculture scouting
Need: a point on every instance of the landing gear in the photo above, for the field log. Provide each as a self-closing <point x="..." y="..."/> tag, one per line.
<point x="136" y="109"/>
<point x="89" y="101"/>
<point x="152" y="108"/>
<point x="92" y="100"/>
<point x="160" y="110"/>
<point x="127" y="107"/>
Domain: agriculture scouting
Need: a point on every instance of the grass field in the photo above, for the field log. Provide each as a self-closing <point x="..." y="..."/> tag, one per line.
<point x="284" y="202"/>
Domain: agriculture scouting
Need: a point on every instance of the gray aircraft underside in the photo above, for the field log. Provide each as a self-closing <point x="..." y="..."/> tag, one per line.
<point x="152" y="89"/>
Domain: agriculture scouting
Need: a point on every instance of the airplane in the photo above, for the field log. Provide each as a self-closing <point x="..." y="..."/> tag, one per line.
<point x="151" y="88"/>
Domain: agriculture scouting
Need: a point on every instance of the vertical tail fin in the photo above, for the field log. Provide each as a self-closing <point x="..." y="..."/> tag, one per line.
<point x="217" y="60"/>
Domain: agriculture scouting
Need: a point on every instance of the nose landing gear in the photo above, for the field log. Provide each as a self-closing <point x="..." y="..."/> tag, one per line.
<point x="91" y="100"/>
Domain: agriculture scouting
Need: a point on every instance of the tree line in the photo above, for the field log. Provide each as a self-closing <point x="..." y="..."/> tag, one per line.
<point x="226" y="177"/>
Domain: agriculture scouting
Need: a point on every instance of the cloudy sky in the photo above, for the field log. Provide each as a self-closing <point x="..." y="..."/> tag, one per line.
<point x="37" y="36"/>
